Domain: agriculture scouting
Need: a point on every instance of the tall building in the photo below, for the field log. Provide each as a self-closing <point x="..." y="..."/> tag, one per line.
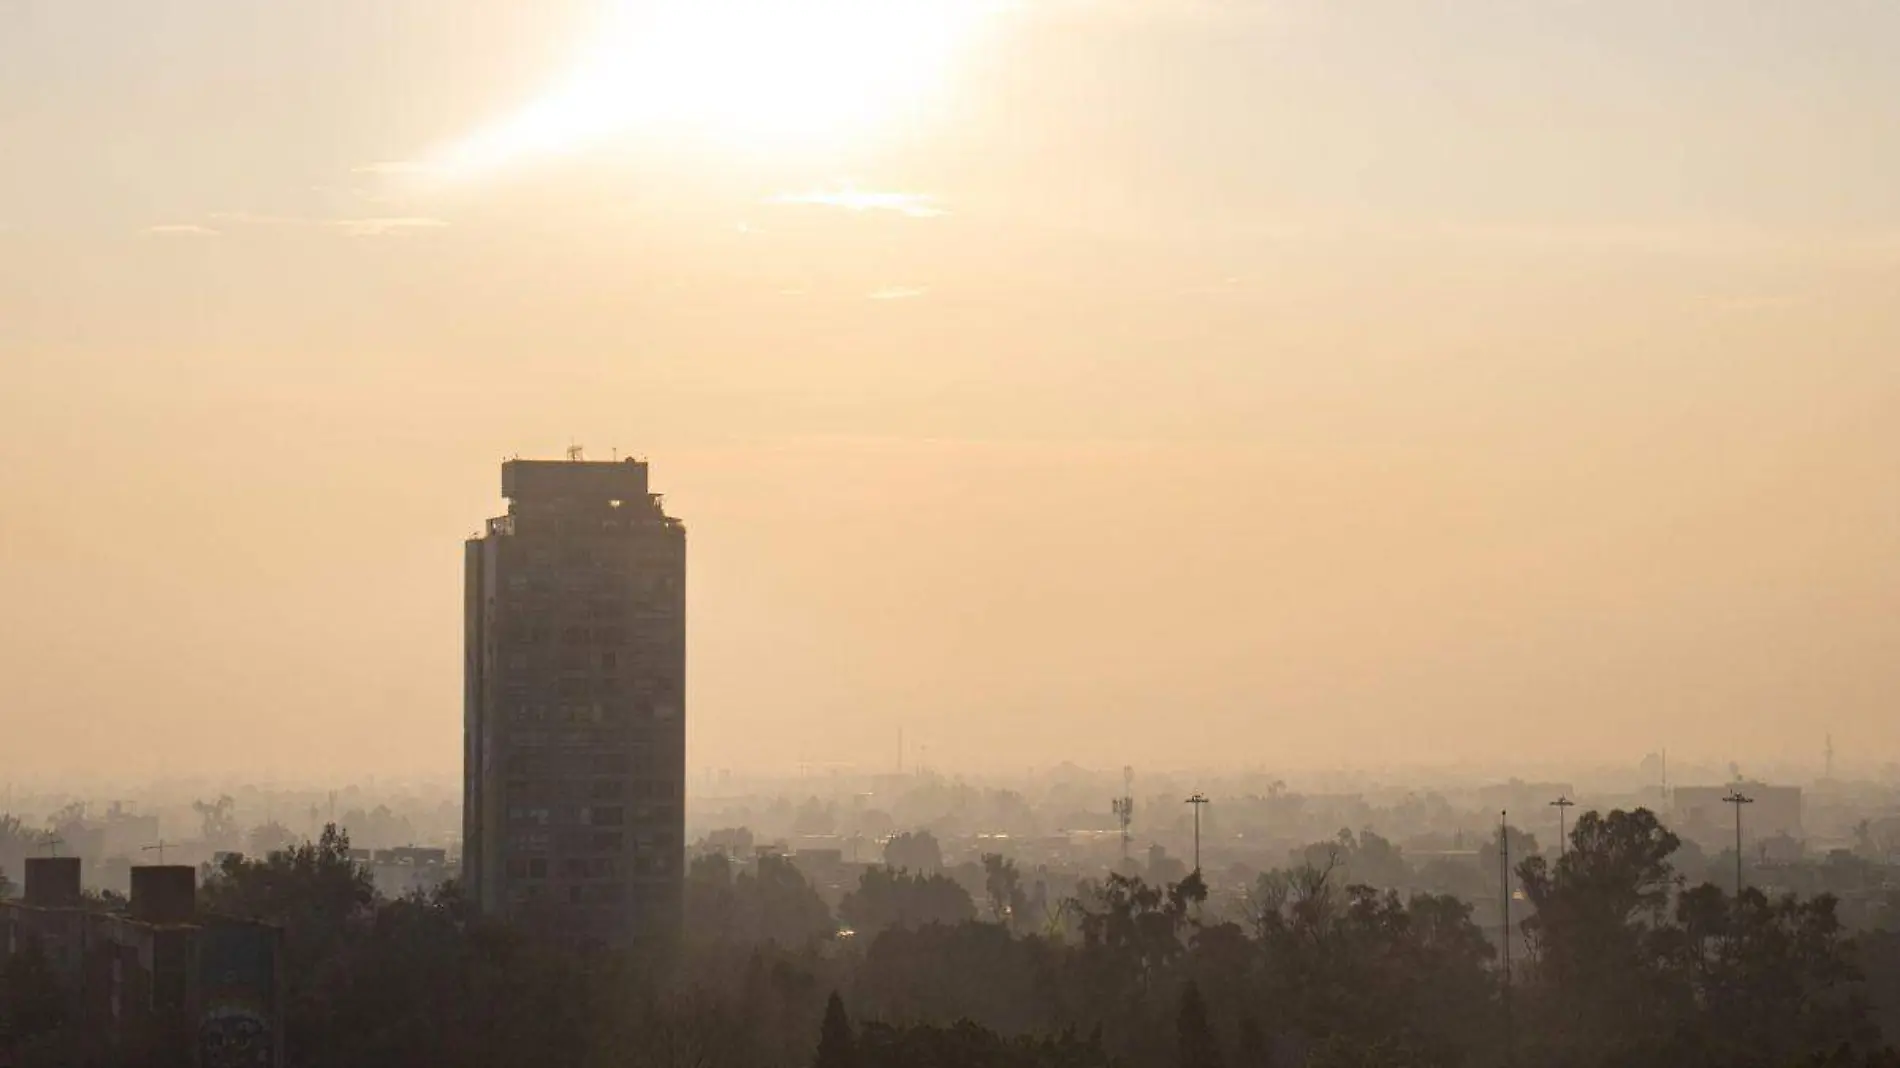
<point x="574" y="705"/>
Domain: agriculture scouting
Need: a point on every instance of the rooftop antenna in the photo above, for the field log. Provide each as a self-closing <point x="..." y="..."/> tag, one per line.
<point x="159" y="846"/>
<point x="574" y="453"/>
<point x="51" y="841"/>
<point x="1124" y="807"/>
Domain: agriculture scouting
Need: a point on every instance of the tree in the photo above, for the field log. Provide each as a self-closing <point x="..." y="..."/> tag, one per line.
<point x="777" y="904"/>
<point x="1194" y="1038"/>
<point x="966" y="1044"/>
<point x="887" y="897"/>
<point x="1769" y="976"/>
<point x="837" y="1046"/>
<point x="1003" y="886"/>
<point x="268" y="838"/>
<point x="815" y="817"/>
<point x="916" y="851"/>
<point x="216" y="823"/>
<point x="1599" y="994"/>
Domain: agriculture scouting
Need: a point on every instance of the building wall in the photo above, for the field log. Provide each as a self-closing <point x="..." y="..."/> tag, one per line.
<point x="220" y="978"/>
<point x="576" y="702"/>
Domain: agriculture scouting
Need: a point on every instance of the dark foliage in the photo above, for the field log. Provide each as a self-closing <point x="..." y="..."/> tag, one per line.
<point x="1622" y="966"/>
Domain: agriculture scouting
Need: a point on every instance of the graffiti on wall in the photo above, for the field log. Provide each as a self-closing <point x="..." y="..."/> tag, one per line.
<point x="238" y="977"/>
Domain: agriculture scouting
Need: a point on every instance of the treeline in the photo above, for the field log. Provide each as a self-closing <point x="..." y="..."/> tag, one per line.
<point x="1616" y="962"/>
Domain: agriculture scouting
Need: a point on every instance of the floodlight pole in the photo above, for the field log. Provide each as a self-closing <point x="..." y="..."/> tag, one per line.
<point x="1738" y="799"/>
<point x="1563" y="841"/>
<point x="1197" y="801"/>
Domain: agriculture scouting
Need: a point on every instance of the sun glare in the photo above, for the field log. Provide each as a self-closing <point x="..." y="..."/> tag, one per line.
<point x="763" y="74"/>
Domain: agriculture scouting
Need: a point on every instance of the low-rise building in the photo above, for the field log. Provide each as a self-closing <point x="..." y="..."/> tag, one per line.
<point x="206" y="989"/>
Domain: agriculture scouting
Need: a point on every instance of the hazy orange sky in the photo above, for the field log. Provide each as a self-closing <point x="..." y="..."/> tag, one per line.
<point x="1165" y="381"/>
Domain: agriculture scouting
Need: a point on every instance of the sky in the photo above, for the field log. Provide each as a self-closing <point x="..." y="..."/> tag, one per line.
<point x="1135" y="381"/>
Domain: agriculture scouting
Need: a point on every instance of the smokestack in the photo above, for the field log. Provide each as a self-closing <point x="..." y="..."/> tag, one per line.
<point x="52" y="882"/>
<point x="164" y="893"/>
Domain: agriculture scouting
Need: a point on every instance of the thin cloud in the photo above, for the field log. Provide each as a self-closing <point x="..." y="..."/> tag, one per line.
<point x="897" y="293"/>
<point x="395" y="166"/>
<point x="382" y="227"/>
<point x="851" y="198"/>
<point x="181" y="230"/>
<point x="371" y="226"/>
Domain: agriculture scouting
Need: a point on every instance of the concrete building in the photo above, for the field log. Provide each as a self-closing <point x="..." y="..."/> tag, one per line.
<point x="159" y="982"/>
<point x="575" y="696"/>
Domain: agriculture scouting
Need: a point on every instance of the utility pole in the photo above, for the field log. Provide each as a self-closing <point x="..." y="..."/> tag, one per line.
<point x="1563" y="840"/>
<point x="1197" y="801"/>
<point x="1738" y="799"/>
<point x="1504" y="897"/>
<point x="1124" y="807"/>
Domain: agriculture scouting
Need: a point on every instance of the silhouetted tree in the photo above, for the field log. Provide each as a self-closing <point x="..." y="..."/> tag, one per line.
<point x="889" y="898"/>
<point x="837" y="1046"/>
<point x="915" y="851"/>
<point x="1003" y="886"/>
<point x="1194" y="1039"/>
<point x="268" y="838"/>
<point x="216" y="822"/>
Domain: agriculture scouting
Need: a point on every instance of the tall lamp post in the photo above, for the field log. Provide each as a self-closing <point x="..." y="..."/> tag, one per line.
<point x="1738" y="799"/>
<point x="1197" y="801"/>
<point x="1504" y="899"/>
<point x="1563" y="839"/>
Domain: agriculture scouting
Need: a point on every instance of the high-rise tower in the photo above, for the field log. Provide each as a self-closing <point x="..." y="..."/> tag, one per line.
<point x="574" y="759"/>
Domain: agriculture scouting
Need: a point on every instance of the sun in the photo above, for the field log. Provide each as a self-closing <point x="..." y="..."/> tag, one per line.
<point x="762" y="74"/>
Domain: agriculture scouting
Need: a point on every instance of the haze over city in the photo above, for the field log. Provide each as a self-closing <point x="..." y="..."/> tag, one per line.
<point x="1286" y="385"/>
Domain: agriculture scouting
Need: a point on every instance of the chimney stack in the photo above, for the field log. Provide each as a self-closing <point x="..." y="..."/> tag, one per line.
<point x="52" y="882"/>
<point x="164" y="893"/>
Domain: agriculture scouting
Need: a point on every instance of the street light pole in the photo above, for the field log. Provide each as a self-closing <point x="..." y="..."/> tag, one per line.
<point x="1504" y="896"/>
<point x="1197" y="801"/>
<point x="1738" y="799"/>
<point x="1563" y="840"/>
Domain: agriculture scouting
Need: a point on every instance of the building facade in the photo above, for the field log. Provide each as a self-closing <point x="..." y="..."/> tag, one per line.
<point x="157" y="982"/>
<point x="574" y="705"/>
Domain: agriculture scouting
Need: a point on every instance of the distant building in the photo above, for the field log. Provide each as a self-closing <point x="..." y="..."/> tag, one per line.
<point x="1700" y="813"/>
<point x="408" y="869"/>
<point x="574" y="718"/>
<point x="204" y="990"/>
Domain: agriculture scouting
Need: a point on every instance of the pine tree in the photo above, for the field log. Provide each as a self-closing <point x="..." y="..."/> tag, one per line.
<point x="837" y="1047"/>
